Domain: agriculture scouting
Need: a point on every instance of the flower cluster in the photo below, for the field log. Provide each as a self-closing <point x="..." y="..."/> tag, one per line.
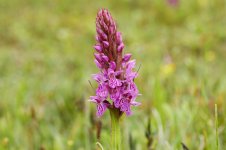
<point x="116" y="77"/>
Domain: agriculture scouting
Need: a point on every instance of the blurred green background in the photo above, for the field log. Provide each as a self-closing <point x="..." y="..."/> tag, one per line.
<point x="46" y="60"/>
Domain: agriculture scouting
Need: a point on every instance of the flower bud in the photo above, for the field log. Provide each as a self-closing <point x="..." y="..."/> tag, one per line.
<point x="126" y="57"/>
<point x="118" y="38"/>
<point x="106" y="44"/>
<point x="120" y="47"/>
<point x="98" y="48"/>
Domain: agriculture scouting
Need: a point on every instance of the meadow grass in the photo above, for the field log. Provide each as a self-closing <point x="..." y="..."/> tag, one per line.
<point x="47" y="59"/>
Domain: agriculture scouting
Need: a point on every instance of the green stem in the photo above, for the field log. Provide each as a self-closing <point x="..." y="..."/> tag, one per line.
<point x="115" y="129"/>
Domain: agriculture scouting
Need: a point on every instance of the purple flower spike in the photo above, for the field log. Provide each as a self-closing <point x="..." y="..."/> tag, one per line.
<point x="116" y="77"/>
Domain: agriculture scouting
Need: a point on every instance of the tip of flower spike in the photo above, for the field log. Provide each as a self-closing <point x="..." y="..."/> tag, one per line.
<point x="102" y="10"/>
<point x="104" y="13"/>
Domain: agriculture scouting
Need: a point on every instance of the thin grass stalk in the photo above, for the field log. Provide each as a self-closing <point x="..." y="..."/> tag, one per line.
<point x="216" y="126"/>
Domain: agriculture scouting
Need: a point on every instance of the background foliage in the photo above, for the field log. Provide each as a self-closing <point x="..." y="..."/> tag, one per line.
<point x="46" y="60"/>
